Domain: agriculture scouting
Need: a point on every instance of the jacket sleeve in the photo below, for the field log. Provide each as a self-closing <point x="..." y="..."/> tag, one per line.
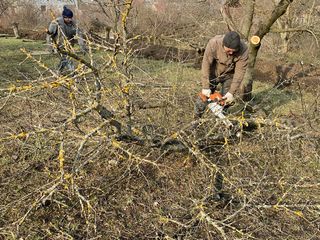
<point x="51" y="33"/>
<point x="53" y="28"/>
<point x="207" y="63"/>
<point x="239" y="71"/>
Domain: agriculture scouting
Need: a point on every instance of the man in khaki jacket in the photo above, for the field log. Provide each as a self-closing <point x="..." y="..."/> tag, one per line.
<point x="224" y="62"/>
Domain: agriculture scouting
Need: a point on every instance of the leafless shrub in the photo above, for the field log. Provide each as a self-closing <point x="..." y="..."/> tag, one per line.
<point x="67" y="171"/>
<point x="187" y="21"/>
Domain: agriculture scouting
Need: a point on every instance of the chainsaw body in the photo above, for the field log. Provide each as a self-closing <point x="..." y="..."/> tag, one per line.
<point x="216" y="104"/>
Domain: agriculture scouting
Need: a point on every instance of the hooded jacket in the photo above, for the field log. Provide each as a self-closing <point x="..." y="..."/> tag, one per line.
<point x="218" y="64"/>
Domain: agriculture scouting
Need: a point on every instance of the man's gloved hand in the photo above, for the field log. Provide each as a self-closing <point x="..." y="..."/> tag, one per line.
<point x="228" y="97"/>
<point x="206" y="92"/>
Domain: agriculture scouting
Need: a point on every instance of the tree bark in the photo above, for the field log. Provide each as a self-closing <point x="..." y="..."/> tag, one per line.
<point x="247" y="22"/>
<point x="225" y="12"/>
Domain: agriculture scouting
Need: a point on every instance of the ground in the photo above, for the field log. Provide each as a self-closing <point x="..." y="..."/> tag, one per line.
<point x="77" y="178"/>
<point x="288" y="75"/>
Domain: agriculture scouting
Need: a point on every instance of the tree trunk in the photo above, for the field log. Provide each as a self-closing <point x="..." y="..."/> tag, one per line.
<point x="225" y="12"/>
<point x="247" y="22"/>
<point x="285" y="41"/>
<point x="263" y="29"/>
<point x="15" y="27"/>
<point x="283" y="24"/>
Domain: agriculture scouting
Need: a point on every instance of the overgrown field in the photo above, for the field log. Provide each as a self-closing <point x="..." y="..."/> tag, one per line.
<point x="67" y="170"/>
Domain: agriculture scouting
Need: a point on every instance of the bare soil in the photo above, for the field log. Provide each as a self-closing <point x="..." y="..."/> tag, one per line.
<point x="286" y="75"/>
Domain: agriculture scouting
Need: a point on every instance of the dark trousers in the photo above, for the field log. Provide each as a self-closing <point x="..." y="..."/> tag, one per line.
<point x="65" y="64"/>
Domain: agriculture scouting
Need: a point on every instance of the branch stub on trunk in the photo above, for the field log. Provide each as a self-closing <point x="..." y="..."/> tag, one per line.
<point x="255" y="40"/>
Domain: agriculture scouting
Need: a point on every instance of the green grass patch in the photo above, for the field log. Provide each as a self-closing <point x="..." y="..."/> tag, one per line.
<point x="14" y="64"/>
<point x="15" y="68"/>
<point x="282" y="102"/>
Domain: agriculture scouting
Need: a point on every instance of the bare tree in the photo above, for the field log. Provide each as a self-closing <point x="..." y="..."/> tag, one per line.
<point x="296" y="19"/>
<point x="262" y="29"/>
<point x="5" y="5"/>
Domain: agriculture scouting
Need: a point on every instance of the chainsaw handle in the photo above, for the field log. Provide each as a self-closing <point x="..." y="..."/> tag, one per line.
<point x="214" y="97"/>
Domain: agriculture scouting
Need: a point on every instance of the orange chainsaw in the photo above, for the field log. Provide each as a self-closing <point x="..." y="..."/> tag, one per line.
<point x="216" y="104"/>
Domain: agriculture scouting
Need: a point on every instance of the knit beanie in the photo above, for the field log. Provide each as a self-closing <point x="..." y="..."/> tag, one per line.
<point x="231" y="40"/>
<point x="67" y="12"/>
